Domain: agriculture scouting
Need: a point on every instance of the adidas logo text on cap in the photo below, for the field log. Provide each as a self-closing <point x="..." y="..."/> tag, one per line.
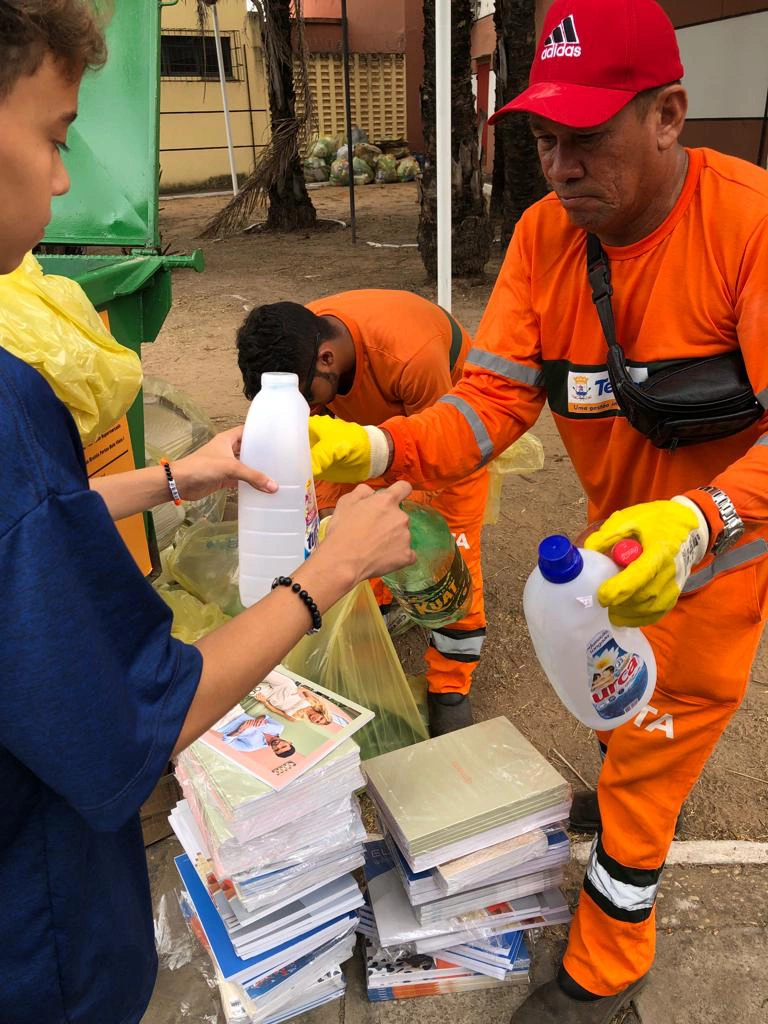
<point x="621" y="47"/>
<point x="563" y="41"/>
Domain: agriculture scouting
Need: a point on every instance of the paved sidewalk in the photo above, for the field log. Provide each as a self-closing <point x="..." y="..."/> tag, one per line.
<point x="710" y="967"/>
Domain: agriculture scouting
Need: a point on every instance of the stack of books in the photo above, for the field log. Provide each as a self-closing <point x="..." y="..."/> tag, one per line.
<point x="473" y="854"/>
<point x="271" y="830"/>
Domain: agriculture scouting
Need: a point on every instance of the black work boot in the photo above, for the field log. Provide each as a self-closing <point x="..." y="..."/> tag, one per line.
<point x="448" y="712"/>
<point x="550" y="1004"/>
<point x="585" y="812"/>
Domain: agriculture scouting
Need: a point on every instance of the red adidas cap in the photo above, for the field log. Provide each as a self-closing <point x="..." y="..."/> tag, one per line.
<point x="594" y="56"/>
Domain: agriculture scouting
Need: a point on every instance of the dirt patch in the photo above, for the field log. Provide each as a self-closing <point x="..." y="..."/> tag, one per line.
<point x="195" y="351"/>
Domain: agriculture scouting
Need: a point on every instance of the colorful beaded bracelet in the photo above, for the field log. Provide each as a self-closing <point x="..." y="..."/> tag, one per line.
<point x="171" y="482"/>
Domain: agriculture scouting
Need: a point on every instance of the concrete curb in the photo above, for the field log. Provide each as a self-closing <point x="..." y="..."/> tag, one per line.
<point x="700" y="852"/>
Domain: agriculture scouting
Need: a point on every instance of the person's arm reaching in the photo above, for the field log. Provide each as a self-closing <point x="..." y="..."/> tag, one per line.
<point x="678" y="534"/>
<point x="369" y="536"/>
<point x="210" y="468"/>
<point x="499" y="397"/>
<point x="745" y="481"/>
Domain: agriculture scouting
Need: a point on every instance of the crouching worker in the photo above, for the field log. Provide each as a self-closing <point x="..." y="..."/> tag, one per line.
<point x="365" y="356"/>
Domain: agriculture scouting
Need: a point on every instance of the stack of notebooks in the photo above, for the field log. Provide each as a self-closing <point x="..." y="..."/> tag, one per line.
<point x="473" y="854"/>
<point x="271" y="831"/>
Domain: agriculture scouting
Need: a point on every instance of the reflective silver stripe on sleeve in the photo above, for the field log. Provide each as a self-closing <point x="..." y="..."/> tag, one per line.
<point x="721" y="563"/>
<point x="761" y="440"/>
<point x="506" y="367"/>
<point x="477" y="426"/>
<point x="621" y="894"/>
<point x="762" y="397"/>
<point x="453" y="645"/>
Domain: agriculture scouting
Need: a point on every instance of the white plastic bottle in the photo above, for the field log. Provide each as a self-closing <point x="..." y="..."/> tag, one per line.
<point x="604" y="674"/>
<point x="276" y="532"/>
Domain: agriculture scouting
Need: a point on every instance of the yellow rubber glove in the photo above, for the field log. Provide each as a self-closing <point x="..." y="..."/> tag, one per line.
<point x="674" y="536"/>
<point x="346" y="453"/>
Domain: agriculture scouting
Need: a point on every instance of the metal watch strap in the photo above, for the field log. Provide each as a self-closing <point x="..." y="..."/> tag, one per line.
<point x="733" y="526"/>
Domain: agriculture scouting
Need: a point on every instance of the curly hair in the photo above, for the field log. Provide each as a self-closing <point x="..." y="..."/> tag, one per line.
<point x="72" y="31"/>
<point x="278" y="338"/>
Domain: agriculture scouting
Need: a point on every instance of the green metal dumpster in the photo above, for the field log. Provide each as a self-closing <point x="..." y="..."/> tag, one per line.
<point x="108" y="222"/>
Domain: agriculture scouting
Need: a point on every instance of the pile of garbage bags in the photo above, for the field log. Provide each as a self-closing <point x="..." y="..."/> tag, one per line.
<point x="328" y="160"/>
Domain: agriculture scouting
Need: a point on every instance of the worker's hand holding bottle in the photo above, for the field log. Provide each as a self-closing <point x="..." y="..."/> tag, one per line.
<point x="346" y="452"/>
<point x="674" y="536"/>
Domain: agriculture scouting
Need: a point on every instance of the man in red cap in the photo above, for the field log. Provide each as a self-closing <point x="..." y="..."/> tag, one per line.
<point x="685" y="235"/>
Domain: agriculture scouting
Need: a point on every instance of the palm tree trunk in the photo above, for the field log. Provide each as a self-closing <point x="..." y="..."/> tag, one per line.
<point x="290" y="208"/>
<point x="471" y="237"/>
<point x="277" y="177"/>
<point x="517" y="177"/>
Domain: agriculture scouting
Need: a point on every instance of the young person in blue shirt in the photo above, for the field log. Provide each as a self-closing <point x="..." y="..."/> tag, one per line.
<point x="95" y="695"/>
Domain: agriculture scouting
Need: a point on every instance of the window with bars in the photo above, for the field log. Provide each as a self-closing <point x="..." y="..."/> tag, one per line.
<point x="187" y="55"/>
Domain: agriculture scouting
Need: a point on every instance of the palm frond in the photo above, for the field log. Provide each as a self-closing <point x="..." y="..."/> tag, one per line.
<point x="289" y="135"/>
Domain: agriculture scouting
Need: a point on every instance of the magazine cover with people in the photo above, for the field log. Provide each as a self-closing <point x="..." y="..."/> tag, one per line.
<point x="283" y="726"/>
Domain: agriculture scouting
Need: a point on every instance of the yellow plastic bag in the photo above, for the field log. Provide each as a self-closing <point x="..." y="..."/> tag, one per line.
<point x="191" y="618"/>
<point x="204" y="560"/>
<point x="50" y="323"/>
<point x="353" y="656"/>
<point x="526" y="455"/>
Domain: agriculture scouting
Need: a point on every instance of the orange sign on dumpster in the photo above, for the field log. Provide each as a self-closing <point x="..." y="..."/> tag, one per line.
<point x="112" y="453"/>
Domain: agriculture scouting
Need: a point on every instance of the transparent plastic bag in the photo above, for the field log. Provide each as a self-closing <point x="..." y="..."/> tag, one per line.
<point x="241" y="855"/>
<point x="339" y="174"/>
<point x="204" y="560"/>
<point x="353" y="656"/>
<point x="50" y="323"/>
<point x="175" y="426"/>
<point x="185" y="966"/>
<point x="408" y="169"/>
<point x="526" y="455"/>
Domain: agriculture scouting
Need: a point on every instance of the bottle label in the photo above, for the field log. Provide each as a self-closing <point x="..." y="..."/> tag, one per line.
<point x="431" y="604"/>
<point x="617" y="679"/>
<point x="311" y="519"/>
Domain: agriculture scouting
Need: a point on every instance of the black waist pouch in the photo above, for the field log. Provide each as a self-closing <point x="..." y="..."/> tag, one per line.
<point x="689" y="401"/>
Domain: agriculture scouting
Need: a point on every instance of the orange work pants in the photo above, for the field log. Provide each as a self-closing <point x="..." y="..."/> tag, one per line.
<point x="453" y="651"/>
<point x="704" y="650"/>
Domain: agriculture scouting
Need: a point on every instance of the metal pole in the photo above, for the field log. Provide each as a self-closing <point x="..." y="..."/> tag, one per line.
<point x="348" y="115"/>
<point x="762" y="149"/>
<point x="250" y="102"/>
<point x="223" y="82"/>
<point x="443" y="147"/>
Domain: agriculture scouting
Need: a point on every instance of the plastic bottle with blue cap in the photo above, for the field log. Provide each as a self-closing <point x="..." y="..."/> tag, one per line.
<point x="604" y="674"/>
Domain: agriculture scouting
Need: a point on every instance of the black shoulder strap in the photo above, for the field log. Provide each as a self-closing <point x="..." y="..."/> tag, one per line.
<point x="599" y="274"/>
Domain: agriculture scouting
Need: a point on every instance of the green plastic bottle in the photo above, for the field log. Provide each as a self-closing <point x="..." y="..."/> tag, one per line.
<point x="437" y="589"/>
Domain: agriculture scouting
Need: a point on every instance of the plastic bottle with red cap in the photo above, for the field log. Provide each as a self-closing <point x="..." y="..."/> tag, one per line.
<point x="604" y="674"/>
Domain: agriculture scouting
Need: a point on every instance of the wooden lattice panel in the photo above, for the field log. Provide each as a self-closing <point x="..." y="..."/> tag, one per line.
<point x="377" y="85"/>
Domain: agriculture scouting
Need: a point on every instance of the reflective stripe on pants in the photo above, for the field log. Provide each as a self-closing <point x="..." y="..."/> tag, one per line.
<point x="704" y="650"/>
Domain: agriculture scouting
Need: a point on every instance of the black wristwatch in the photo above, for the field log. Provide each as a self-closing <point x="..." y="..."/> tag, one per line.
<point x="733" y="526"/>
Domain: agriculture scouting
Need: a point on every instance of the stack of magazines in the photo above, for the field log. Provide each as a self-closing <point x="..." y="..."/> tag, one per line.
<point x="271" y="831"/>
<point x="473" y="854"/>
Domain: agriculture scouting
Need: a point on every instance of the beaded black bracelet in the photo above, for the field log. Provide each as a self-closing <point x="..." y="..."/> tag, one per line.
<point x="286" y="581"/>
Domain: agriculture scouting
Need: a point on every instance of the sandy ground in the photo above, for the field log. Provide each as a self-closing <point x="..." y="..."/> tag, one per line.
<point x="195" y="351"/>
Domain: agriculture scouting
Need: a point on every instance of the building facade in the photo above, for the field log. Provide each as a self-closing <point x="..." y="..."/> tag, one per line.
<point x="386" y="67"/>
<point x="193" y="143"/>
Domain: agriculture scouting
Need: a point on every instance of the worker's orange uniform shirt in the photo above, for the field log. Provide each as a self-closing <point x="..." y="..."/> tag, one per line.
<point x="402" y="349"/>
<point x="697" y="286"/>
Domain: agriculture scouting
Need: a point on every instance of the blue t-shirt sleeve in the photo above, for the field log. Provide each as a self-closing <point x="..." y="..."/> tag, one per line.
<point x="97" y="689"/>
